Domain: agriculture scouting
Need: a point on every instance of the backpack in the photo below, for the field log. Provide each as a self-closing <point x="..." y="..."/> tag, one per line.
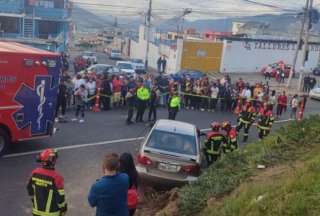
<point x="132" y="198"/>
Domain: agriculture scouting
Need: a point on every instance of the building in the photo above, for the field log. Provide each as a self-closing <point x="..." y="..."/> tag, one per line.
<point x="212" y="35"/>
<point x="41" y="23"/>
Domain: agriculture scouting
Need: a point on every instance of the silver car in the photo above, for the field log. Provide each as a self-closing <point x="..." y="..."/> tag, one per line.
<point x="170" y="153"/>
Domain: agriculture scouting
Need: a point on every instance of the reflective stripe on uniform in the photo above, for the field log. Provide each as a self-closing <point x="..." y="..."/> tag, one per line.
<point x="62" y="205"/>
<point x="41" y="182"/>
<point x="35" y="204"/>
<point x="49" y="201"/>
<point x="244" y="121"/>
<point x="263" y="127"/>
<point x="61" y="192"/>
<point x="42" y="213"/>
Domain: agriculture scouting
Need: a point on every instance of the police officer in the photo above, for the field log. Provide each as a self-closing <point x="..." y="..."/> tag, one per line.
<point x="213" y="144"/>
<point x="143" y="96"/>
<point x="245" y="119"/>
<point x="265" y="121"/>
<point x="231" y="142"/>
<point x="174" y="105"/>
<point x="46" y="187"/>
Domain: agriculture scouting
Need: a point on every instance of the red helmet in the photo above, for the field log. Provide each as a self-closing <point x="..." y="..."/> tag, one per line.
<point x="215" y="126"/>
<point x="48" y="157"/>
<point x="226" y="125"/>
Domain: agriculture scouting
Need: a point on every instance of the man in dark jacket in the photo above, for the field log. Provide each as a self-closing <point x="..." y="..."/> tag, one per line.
<point x="154" y="98"/>
<point x="110" y="193"/>
<point x="62" y="100"/>
<point x="106" y="91"/>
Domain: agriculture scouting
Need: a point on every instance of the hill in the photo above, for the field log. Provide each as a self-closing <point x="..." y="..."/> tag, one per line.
<point x="235" y="186"/>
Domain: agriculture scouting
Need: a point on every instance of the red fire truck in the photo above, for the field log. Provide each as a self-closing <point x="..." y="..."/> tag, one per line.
<point x="29" y="80"/>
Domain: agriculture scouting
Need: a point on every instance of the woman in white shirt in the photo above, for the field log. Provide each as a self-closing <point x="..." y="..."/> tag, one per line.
<point x="92" y="89"/>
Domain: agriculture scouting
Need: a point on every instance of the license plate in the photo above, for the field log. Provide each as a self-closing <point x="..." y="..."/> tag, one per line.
<point x="168" y="167"/>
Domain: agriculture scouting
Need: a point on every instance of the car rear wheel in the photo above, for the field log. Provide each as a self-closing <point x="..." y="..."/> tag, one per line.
<point x="4" y="141"/>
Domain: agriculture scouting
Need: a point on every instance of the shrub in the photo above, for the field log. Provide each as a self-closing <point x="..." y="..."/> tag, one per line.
<point x="288" y="143"/>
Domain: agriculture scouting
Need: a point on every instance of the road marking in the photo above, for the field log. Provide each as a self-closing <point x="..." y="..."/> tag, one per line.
<point x="101" y="143"/>
<point x="75" y="146"/>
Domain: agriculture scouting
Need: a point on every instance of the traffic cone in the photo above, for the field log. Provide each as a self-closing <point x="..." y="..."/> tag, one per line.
<point x="96" y="107"/>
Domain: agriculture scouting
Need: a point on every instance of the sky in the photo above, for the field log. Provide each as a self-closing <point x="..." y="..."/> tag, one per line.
<point x="202" y="9"/>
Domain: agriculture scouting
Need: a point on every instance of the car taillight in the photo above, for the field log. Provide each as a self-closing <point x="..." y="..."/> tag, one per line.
<point x="191" y="169"/>
<point x="142" y="159"/>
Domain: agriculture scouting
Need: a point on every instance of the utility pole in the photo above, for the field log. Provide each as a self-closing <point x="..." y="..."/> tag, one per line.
<point x="303" y="22"/>
<point x="148" y="26"/>
<point x="306" y="45"/>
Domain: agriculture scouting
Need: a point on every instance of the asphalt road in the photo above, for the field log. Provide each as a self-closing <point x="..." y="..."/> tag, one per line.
<point x="82" y="147"/>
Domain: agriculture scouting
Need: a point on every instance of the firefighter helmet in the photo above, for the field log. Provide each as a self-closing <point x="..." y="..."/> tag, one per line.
<point x="226" y="125"/>
<point x="48" y="157"/>
<point x="215" y="126"/>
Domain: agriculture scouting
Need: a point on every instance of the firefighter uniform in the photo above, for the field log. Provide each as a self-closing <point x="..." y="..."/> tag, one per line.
<point x="245" y="120"/>
<point x="231" y="142"/>
<point x="46" y="189"/>
<point x="174" y="106"/>
<point x="213" y="144"/>
<point x="265" y="122"/>
<point x="143" y="95"/>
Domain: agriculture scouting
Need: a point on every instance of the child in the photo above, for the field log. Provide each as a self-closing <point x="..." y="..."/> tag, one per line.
<point x="80" y="99"/>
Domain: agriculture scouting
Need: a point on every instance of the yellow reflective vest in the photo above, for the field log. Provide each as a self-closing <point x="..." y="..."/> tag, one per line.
<point x="143" y="94"/>
<point x="175" y="102"/>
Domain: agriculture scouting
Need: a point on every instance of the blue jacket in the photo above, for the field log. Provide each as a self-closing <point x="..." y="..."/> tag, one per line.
<point x="110" y="195"/>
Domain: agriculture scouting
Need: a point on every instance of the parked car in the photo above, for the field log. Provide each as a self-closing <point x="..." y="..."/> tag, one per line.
<point x="102" y="69"/>
<point x="92" y="56"/>
<point x="171" y="153"/>
<point x="192" y="74"/>
<point x="315" y="93"/>
<point x="125" y="67"/>
<point x="115" y="54"/>
<point x="138" y="65"/>
<point x="275" y="67"/>
<point x="316" y="71"/>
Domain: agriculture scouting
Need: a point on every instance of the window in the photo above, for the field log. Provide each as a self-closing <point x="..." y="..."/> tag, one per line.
<point x="171" y="142"/>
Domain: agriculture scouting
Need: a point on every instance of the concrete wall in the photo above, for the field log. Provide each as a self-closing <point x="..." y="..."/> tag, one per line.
<point x="247" y="57"/>
<point x="138" y="50"/>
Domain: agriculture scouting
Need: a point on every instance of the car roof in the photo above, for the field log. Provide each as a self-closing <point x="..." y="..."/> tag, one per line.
<point x="175" y="127"/>
<point x="124" y="62"/>
<point x="97" y="65"/>
<point x="12" y="47"/>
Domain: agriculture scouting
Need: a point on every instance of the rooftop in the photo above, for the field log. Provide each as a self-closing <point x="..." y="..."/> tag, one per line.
<point x="12" y="47"/>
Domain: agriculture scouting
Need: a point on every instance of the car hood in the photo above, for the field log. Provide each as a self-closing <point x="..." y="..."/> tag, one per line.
<point x="127" y="70"/>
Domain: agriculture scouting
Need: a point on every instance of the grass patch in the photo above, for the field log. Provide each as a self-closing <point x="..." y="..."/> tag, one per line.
<point x="286" y="145"/>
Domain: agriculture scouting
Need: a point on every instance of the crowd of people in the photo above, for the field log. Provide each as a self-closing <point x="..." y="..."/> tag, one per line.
<point x="94" y="92"/>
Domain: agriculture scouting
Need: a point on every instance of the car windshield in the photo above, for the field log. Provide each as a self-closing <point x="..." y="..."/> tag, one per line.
<point x="172" y="142"/>
<point x="116" y="51"/>
<point x="124" y="66"/>
<point x="139" y="61"/>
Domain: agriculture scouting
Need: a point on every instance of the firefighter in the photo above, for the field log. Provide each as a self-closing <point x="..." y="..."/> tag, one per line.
<point x="174" y="106"/>
<point x="302" y="106"/>
<point x="213" y="144"/>
<point x="46" y="187"/>
<point x="245" y="119"/>
<point x="231" y="142"/>
<point x="265" y="121"/>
